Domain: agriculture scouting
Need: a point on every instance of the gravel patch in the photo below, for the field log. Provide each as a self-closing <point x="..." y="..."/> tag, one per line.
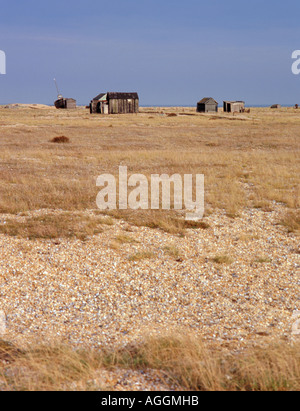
<point x="90" y="293"/>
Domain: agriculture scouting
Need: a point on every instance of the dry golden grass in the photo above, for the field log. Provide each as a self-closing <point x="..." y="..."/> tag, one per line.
<point x="248" y="160"/>
<point x="125" y="239"/>
<point x="172" y="251"/>
<point x="291" y="220"/>
<point x="263" y="259"/>
<point x="195" y="367"/>
<point x="46" y="367"/>
<point x="120" y="240"/>
<point x="183" y="359"/>
<point x="141" y="255"/>
<point x="222" y="259"/>
<point x="51" y="226"/>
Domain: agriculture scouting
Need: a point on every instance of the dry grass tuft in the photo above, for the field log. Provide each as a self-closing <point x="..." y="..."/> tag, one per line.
<point x="263" y="259"/>
<point x="165" y="221"/>
<point x="60" y="140"/>
<point x="48" y="368"/>
<point x="68" y="225"/>
<point x="8" y="352"/>
<point x="194" y="367"/>
<point x="291" y="221"/>
<point x="141" y="255"/>
<point x="185" y="361"/>
<point x="196" y="225"/>
<point x="125" y="239"/>
<point x="172" y="251"/>
<point x="222" y="259"/>
<point x="120" y="240"/>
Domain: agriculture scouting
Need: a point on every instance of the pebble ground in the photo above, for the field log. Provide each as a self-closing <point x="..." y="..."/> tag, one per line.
<point x="235" y="283"/>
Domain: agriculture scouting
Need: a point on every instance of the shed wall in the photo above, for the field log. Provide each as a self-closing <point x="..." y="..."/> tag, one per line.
<point x="207" y="108"/>
<point x="70" y="104"/>
<point x="123" y="106"/>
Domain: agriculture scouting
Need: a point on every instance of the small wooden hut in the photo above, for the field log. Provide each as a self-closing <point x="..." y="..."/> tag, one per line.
<point x="65" y="103"/>
<point x="207" y="105"/>
<point x="276" y="106"/>
<point x="115" y="103"/>
<point x="233" y="106"/>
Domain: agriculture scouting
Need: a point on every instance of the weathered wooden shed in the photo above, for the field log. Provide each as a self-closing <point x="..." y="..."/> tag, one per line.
<point x="276" y="106"/>
<point x="233" y="106"/>
<point x="207" y="105"/>
<point x="65" y="103"/>
<point x="98" y="103"/>
<point x="115" y="103"/>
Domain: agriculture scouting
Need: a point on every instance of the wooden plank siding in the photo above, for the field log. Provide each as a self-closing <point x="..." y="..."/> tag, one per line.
<point x="207" y="108"/>
<point x="207" y="105"/>
<point x="233" y="106"/>
<point x="115" y="103"/>
<point x="123" y="106"/>
<point x="70" y="103"/>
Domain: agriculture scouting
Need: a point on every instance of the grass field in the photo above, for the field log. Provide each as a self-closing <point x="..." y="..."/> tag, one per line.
<point x="249" y="160"/>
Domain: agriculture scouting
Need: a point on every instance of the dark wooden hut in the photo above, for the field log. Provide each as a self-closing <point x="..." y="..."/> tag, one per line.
<point x="276" y="106"/>
<point x="233" y="106"/>
<point x="65" y="103"/>
<point x="115" y="103"/>
<point x="207" y="105"/>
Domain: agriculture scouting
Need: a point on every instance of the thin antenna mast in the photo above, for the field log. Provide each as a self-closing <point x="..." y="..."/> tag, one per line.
<point x="58" y="93"/>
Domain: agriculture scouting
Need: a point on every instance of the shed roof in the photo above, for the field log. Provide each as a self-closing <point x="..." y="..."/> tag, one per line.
<point x="233" y="102"/>
<point x="99" y="96"/>
<point x="206" y="100"/>
<point x="116" y="95"/>
<point x="122" y="96"/>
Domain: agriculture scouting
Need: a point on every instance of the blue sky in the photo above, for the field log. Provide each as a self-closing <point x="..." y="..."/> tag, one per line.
<point x="171" y="52"/>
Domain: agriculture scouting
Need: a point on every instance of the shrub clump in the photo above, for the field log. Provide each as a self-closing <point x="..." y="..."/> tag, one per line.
<point x="60" y="140"/>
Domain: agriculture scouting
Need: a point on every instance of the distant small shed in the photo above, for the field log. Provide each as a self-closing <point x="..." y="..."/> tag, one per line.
<point x="276" y="106"/>
<point x="233" y="106"/>
<point x="207" y="105"/>
<point x="115" y="103"/>
<point x="65" y="103"/>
